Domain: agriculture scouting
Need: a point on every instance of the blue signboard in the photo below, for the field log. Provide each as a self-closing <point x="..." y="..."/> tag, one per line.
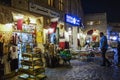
<point x="73" y="20"/>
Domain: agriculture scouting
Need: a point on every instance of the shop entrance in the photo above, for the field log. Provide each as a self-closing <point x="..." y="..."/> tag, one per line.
<point x="23" y="41"/>
<point x="93" y="37"/>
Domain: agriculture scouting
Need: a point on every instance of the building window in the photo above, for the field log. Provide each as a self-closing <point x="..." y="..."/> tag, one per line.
<point x="50" y="2"/>
<point x="90" y="22"/>
<point x="61" y="5"/>
<point x="93" y="22"/>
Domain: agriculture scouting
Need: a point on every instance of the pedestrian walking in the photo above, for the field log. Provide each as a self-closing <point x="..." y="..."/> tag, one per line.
<point x="104" y="47"/>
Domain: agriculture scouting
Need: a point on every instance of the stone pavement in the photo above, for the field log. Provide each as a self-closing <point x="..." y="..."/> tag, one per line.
<point x="82" y="70"/>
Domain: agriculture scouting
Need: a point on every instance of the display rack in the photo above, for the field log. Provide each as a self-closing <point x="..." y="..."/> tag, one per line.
<point x="32" y="67"/>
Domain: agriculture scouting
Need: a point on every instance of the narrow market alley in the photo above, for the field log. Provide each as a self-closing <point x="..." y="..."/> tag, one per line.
<point x="82" y="70"/>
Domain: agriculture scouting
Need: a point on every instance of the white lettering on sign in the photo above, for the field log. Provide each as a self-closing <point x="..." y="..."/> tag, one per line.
<point x="72" y="20"/>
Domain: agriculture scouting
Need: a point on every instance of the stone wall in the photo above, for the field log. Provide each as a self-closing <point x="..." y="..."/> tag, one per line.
<point x="100" y="22"/>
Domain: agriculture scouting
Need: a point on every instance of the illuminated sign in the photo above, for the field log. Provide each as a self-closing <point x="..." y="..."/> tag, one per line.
<point x="73" y="20"/>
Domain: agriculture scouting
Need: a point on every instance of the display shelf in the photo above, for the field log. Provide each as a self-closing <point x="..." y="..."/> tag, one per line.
<point x="31" y="60"/>
<point x="32" y="72"/>
<point x="25" y="63"/>
<point x="27" y="77"/>
<point x="32" y="67"/>
<point x="30" y="55"/>
<point x="35" y="67"/>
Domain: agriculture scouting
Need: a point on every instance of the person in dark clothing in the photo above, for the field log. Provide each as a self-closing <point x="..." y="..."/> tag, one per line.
<point x="118" y="53"/>
<point x="14" y="57"/>
<point x="104" y="47"/>
<point x="1" y="49"/>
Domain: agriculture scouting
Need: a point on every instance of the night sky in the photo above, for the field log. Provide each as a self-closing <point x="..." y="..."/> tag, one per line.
<point x="111" y="7"/>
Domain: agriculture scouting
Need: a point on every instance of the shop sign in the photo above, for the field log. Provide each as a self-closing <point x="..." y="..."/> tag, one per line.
<point x="39" y="37"/>
<point x="42" y="10"/>
<point x="73" y="20"/>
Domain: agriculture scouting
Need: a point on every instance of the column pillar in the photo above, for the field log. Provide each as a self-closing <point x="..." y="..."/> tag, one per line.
<point x="75" y="46"/>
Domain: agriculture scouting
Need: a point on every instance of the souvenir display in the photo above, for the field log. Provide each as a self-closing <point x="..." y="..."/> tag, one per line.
<point x="32" y="67"/>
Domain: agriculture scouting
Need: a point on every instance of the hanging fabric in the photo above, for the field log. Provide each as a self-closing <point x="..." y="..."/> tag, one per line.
<point x="54" y="26"/>
<point x="19" y="24"/>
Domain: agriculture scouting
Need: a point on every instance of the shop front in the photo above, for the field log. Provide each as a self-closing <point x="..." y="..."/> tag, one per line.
<point x="27" y="31"/>
<point x="93" y="38"/>
<point x="55" y="33"/>
<point x="56" y="41"/>
<point x="22" y="29"/>
<point x="113" y="39"/>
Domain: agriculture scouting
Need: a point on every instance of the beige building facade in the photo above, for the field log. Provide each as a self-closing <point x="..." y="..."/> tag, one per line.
<point x="47" y="10"/>
<point x="96" y="21"/>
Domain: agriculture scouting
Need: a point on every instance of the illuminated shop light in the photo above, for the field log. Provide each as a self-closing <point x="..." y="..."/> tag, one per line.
<point x="18" y="16"/>
<point x="69" y="31"/>
<point x="113" y="38"/>
<point x="55" y="19"/>
<point x="32" y="20"/>
<point x="50" y="30"/>
<point x="8" y="27"/>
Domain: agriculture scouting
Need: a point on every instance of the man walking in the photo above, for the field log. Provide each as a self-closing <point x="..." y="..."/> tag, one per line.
<point x="104" y="47"/>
